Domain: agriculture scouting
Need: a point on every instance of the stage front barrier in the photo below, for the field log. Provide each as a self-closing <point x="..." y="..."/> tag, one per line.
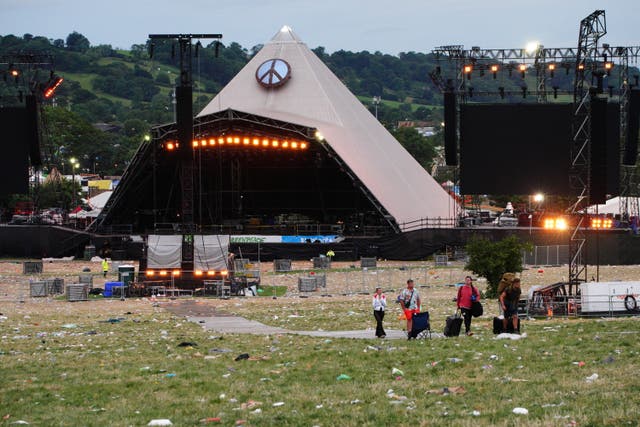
<point x="32" y="267"/>
<point x="77" y="292"/>
<point x="280" y="265"/>
<point x="44" y="288"/>
<point x="553" y="255"/>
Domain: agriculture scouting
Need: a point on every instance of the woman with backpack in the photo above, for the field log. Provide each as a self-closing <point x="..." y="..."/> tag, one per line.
<point x="467" y="295"/>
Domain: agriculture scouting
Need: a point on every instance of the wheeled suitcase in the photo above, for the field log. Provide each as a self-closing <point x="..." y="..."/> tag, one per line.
<point x="453" y="325"/>
<point x="498" y="326"/>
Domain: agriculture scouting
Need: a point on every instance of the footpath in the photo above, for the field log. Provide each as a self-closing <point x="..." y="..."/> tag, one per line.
<point x="240" y="325"/>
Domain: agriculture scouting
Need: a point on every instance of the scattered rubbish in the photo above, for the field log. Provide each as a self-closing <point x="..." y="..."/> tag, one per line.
<point x="20" y="422"/>
<point x="170" y="375"/>
<point x="520" y="411"/>
<point x="276" y="404"/>
<point x="257" y="411"/>
<point x="355" y="401"/>
<point x="455" y="360"/>
<point x="210" y="420"/>
<point x="69" y="326"/>
<point x="220" y="350"/>
<point x="493" y="357"/>
<point x="160" y="422"/>
<point x="487" y="367"/>
<point x="580" y="364"/>
<point x="591" y="378"/>
<point x="397" y="372"/>
<point x="434" y="363"/>
<point x="476" y="413"/>
<point x="187" y="344"/>
<point x="552" y="405"/>
<point x="250" y="404"/>
<point x="448" y="390"/>
<point x="114" y="320"/>
<point x="505" y="335"/>
<point x="343" y="377"/>
<point x="609" y="359"/>
<point x="242" y="356"/>
<point x="320" y="406"/>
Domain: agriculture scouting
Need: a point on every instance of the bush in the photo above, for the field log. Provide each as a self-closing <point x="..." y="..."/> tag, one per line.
<point x="492" y="259"/>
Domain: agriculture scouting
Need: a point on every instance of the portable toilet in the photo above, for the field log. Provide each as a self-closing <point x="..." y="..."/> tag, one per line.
<point x="126" y="274"/>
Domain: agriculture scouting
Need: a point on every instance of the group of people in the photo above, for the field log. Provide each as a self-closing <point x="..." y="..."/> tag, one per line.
<point x="411" y="303"/>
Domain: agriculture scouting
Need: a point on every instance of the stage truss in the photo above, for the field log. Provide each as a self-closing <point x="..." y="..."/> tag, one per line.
<point x="590" y="63"/>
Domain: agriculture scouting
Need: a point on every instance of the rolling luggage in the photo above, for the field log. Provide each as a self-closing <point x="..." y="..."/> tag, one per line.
<point x="453" y="325"/>
<point x="498" y="327"/>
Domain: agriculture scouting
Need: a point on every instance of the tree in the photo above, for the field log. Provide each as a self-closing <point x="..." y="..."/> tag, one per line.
<point x="76" y="42"/>
<point x="492" y="259"/>
<point x="417" y="145"/>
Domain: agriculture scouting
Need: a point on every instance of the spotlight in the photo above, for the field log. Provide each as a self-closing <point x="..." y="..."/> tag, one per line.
<point x="51" y="86"/>
<point x="552" y="69"/>
<point x="494" y="70"/>
<point x="608" y="66"/>
<point x="467" y="71"/>
<point x="522" y="69"/>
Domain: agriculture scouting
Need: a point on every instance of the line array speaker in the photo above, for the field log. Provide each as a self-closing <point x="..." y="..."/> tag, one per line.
<point x="598" y="152"/>
<point x="33" y="131"/>
<point x="633" y="123"/>
<point x="184" y="117"/>
<point x="450" y="128"/>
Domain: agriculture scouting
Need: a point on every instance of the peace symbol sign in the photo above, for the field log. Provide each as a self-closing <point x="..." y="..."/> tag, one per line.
<point x="273" y="73"/>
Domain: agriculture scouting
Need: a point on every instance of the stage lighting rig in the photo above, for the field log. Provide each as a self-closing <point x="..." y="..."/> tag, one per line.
<point x="50" y="87"/>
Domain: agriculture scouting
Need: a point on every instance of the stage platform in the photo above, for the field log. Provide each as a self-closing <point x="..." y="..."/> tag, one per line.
<point x="615" y="247"/>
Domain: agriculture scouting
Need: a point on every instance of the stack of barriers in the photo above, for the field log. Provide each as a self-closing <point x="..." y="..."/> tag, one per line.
<point x="421" y="328"/>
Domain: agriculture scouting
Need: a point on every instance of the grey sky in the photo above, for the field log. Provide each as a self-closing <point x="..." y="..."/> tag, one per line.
<point x="355" y="25"/>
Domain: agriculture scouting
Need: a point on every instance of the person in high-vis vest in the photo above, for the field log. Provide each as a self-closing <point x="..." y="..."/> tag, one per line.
<point x="105" y="267"/>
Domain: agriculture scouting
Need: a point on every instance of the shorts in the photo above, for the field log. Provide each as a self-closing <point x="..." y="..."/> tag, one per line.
<point x="408" y="313"/>
<point x="510" y="312"/>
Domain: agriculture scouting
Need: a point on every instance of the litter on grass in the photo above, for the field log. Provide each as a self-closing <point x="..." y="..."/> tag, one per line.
<point x="160" y="422"/>
<point x="520" y="411"/>
<point x="591" y="378"/>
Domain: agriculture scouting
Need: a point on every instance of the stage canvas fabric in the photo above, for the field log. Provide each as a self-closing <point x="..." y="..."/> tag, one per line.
<point x="164" y="251"/>
<point x="210" y="252"/>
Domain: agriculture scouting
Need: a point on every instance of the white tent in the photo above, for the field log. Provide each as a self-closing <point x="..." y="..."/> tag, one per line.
<point x="614" y="206"/>
<point x="311" y="95"/>
<point x="96" y="204"/>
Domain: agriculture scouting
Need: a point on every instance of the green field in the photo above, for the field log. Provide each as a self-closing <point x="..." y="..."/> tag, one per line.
<point x="115" y="363"/>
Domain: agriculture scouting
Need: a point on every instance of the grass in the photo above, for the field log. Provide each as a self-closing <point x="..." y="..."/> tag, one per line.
<point x="108" y="362"/>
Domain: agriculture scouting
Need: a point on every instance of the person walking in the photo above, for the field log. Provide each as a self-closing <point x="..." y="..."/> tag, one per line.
<point x="509" y="302"/>
<point x="410" y="303"/>
<point x="467" y="295"/>
<point x="379" y="306"/>
<point x="105" y="267"/>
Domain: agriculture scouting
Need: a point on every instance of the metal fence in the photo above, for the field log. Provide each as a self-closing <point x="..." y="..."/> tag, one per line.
<point x="553" y="255"/>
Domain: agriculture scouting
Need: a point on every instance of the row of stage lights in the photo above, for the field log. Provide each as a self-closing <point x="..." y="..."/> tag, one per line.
<point x="494" y="68"/>
<point x="561" y="223"/>
<point x="178" y="273"/>
<point x="241" y="141"/>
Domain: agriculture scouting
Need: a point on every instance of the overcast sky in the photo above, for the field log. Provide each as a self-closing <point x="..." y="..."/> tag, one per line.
<point x="355" y="25"/>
